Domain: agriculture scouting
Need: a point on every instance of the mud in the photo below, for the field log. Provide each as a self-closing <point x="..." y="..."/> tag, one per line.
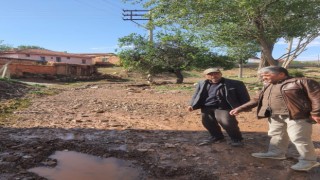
<point x="144" y="125"/>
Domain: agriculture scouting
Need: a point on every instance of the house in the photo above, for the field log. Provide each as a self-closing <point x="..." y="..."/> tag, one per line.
<point x="47" y="56"/>
<point x="104" y="59"/>
<point x="254" y="60"/>
<point x="23" y="68"/>
<point x="42" y="62"/>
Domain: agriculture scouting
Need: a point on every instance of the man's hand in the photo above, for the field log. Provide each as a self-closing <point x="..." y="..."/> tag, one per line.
<point x="234" y="112"/>
<point x="190" y="108"/>
<point x="316" y="118"/>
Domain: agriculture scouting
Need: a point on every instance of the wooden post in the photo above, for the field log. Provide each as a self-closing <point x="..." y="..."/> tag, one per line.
<point x="4" y="69"/>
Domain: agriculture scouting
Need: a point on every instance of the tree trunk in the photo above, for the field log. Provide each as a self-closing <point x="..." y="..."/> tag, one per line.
<point x="240" y="69"/>
<point x="150" y="79"/>
<point x="267" y="59"/>
<point x="266" y="53"/>
<point x="263" y="62"/>
<point x="179" y="75"/>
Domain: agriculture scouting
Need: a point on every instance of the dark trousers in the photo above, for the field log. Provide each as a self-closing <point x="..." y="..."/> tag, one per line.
<point x="213" y="118"/>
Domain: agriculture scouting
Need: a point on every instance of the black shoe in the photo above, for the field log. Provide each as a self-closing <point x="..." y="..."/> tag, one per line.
<point x="236" y="143"/>
<point x="212" y="140"/>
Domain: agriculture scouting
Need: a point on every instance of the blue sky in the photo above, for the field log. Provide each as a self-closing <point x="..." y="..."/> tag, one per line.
<point x="81" y="26"/>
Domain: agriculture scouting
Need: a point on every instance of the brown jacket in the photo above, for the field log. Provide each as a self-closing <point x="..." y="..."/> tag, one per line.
<point x="301" y="95"/>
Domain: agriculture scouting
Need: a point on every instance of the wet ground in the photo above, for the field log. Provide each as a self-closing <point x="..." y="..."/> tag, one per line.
<point x="75" y="165"/>
<point x="145" y="127"/>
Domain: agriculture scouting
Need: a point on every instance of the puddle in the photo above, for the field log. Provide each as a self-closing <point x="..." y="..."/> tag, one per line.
<point x="74" y="165"/>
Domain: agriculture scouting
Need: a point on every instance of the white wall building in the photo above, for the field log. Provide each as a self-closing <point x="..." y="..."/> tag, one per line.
<point x="43" y="55"/>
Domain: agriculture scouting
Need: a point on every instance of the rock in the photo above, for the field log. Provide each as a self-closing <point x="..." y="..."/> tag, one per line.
<point x="27" y="157"/>
<point x="168" y="145"/>
<point x="11" y="158"/>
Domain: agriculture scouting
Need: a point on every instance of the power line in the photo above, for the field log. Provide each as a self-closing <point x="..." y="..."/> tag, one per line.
<point x="110" y="3"/>
<point x="133" y="15"/>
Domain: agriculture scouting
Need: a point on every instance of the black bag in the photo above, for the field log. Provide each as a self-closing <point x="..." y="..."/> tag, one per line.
<point x="268" y="112"/>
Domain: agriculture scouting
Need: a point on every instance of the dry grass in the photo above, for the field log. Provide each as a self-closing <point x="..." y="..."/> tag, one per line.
<point x="249" y="75"/>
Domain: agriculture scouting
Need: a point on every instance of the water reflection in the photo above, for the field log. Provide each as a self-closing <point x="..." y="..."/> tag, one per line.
<point x="74" y="165"/>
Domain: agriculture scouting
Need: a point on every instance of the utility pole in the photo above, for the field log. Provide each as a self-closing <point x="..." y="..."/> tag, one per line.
<point x="140" y="15"/>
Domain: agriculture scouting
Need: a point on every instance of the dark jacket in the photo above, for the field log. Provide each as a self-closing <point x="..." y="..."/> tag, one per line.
<point x="234" y="92"/>
<point x="301" y="96"/>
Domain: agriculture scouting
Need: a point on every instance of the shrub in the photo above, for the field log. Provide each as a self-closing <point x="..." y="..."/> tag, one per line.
<point x="296" y="73"/>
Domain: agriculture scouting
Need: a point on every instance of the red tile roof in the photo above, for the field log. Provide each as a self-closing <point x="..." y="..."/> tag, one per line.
<point x="44" y="52"/>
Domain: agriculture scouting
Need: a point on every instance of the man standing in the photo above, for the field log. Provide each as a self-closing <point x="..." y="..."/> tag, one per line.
<point x="292" y="105"/>
<point x="216" y="96"/>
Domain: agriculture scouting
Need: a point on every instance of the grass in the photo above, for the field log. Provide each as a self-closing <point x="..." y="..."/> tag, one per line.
<point x="250" y="77"/>
<point x="193" y="74"/>
<point x="111" y="70"/>
<point x="8" y="80"/>
<point x="8" y="107"/>
<point x="43" y="92"/>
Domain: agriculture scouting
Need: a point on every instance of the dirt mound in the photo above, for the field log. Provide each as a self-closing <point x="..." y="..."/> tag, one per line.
<point x="13" y="89"/>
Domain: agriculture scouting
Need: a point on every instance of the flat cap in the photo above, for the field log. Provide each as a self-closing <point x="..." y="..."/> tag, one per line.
<point x="211" y="70"/>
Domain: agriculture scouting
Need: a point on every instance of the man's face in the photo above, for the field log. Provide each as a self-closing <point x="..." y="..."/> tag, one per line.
<point x="214" y="77"/>
<point x="272" y="78"/>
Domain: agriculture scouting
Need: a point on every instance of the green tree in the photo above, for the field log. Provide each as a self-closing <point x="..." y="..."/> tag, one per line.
<point x="228" y="22"/>
<point x="169" y="53"/>
<point x="29" y="47"/>
<point x="4" y="47"/>
<point x="136" y="53"/>
<point x="241" y="52"/>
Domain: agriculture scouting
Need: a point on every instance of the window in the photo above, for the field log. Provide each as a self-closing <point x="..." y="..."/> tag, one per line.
<point x="68" y="57"/>
<point x="58" y="59"/>
<point x="84" y="61"/>
<point x="27" y="55"/>
<point x="42" y="58"/>
<point x="104" y="59"/>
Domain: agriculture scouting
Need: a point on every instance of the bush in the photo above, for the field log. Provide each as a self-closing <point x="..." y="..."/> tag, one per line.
<point x="296" y="73"/>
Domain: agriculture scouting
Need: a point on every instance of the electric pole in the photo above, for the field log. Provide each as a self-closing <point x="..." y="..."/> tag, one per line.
<point x="140" y="15"/>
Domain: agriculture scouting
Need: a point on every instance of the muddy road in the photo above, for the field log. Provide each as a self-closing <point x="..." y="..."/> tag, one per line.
<point x="144" y="125"/>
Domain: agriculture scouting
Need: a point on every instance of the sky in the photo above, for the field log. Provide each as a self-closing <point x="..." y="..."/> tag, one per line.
<point x="82" y="26"/>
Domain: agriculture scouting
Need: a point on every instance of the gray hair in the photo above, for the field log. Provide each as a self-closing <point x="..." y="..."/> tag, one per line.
<point x="273" y="70"/>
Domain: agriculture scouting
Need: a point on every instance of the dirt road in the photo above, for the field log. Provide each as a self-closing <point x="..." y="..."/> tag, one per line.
<point x="148" y="127"/>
